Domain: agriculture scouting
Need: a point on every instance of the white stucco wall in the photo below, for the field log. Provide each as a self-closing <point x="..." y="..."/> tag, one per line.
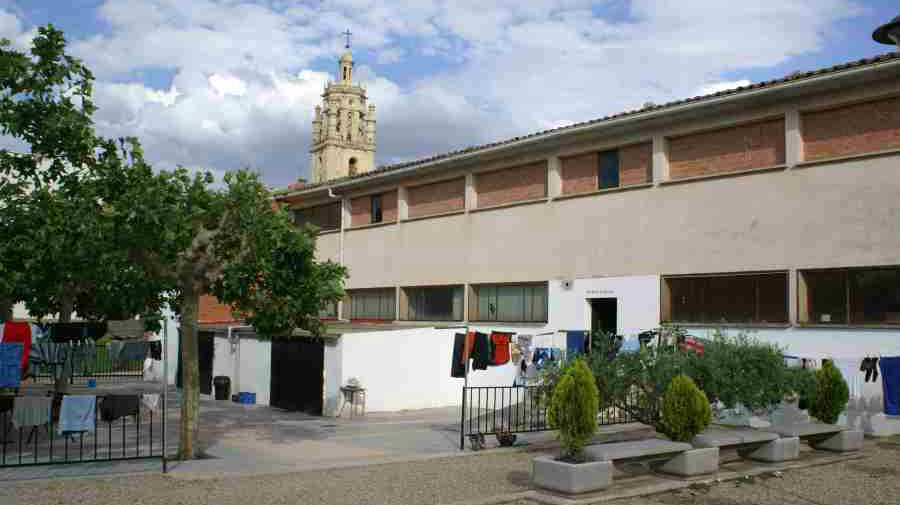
<point x="821" y="343"/>
<point x="637" y="302"/>
<point x="255" y="369"/>
<point x="409" y="369"/>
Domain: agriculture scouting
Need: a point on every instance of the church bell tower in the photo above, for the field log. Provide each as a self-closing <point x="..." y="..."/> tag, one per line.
<point x="343" y="127"/>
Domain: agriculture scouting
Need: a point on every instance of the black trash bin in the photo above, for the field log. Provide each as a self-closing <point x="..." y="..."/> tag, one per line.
<point x="223" y="387"/>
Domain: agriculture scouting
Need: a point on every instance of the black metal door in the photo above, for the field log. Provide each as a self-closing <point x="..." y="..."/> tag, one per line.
<point x="205" y="352"/>
<point x="297" y="380"/>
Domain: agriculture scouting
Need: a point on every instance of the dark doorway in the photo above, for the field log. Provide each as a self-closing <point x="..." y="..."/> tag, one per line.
<point x="603" y="315"/>
<point x="297" y="382"/>
<point x="205" y="352"/>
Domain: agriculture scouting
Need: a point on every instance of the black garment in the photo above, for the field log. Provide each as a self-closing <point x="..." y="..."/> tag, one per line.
<point x="73" y="332"/>
<point x="481" y="352"/>
<point x="116" y="406"/>
<point x="524" y="366"/>
<point x="458" y="367"/>
<point x="870" y="366"/>
<point x="156" y="350"/>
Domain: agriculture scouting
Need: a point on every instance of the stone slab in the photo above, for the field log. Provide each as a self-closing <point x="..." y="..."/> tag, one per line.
<point x="693" y="462"/>
<point x="778" y="450"/>
<point x="635" y="450"/>
<point x="570" y="478"/>
<point x="730" y="438"/>
<point x="806" y="430"/>
<point x="845" y="441"/>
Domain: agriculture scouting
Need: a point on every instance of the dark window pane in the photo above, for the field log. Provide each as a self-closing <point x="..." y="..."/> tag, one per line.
<point x="826" y="296"/>
<point x="729" y="299"/>
<point x="371" y="304"/>
<point x="376" y="208"/>
<point x="609" y="169"/>
<point x="510" y="303"/>
<point x="875" y="296"/>
<point x="442" y="303"/>
<point x="323" y="217"/>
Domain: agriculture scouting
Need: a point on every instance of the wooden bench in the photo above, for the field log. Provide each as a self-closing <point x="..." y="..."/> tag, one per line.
<point x="827" y="437"/>
<point x="677" y="458"/>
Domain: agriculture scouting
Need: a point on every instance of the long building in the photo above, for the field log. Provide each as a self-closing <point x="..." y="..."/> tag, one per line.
<point x="772" y="208"/>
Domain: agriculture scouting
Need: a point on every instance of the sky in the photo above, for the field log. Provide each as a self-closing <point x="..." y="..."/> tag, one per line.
<point x="226" y="84"/>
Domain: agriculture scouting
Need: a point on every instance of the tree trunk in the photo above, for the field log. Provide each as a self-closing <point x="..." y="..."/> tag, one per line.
<point x="66" y="307"/>
<point x="190" y="370"/>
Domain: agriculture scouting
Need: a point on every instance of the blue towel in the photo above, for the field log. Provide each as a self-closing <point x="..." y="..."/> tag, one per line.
<point x="575" y="342"/>
<point x="10" y="365"/>
<point x="890" y="383"/>
<point x="78" y="413"/>
<point x="631" y="345"/>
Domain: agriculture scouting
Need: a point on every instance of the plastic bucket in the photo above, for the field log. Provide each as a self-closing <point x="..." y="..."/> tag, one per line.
<point x="247" y="398"/>
<point x="92" y="383"/>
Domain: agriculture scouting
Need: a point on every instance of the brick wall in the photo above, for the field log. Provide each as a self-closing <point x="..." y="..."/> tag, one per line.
<point x="853" y="129"/>
<point x="436" y="198"/>
<point x="526" y="182"/>
<point x="636" y="164"/>
<point x="211" y="311"/>
<point x="361" y="209"/>
<point x="745" y="147"/>
<point x="579" y="174"/>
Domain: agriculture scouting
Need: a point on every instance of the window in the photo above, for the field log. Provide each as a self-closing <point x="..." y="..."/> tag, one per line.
<point x="372" y="304"/>
<point x="440" y="303"/>
<point x="608" y="169"/>
<point x="509" y="303"/>
<point x="324" y="217"/>
<point x="728" y="299"/>
<point x="377" y="208"/>
<point x="850" y="296"/>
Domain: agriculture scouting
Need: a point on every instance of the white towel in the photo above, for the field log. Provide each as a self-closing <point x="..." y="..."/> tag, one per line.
<point x="150" y="400"/>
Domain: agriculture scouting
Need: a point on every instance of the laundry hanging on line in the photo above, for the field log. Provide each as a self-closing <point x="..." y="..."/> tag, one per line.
<point x="10" y="365"/>
<point x="870" y="367"/>
<point x="890" y="383"/>
<point x="458" y="364"/>
<point x="117" y="406"/>
<point x="77" y="414"/>
<point x="31" y="411"/>
<point x="500" y="353"/>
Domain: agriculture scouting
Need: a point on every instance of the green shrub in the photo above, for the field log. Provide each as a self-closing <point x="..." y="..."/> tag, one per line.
<point x="685" y="410"/>
<point x="831" y="394"/>
<point x="573" y="408"/>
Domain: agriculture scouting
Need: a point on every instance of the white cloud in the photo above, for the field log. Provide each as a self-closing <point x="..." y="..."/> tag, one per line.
<point x="715" y="87"/>
<point x="246" y="82"/>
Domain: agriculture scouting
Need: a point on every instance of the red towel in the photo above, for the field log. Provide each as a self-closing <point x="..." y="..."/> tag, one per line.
<point x="19" y="333"/>
<point x="500" y="346"/>
<point x="470" y="342"/>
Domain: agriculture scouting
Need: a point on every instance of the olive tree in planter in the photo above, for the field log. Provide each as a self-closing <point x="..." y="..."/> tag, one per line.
<point x="573" y="411"/>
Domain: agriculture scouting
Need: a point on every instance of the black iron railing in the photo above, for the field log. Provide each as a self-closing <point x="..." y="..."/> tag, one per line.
<point x="138" y="435"/>
<point x="98" y="365"/>
<point x="499" y="410"/>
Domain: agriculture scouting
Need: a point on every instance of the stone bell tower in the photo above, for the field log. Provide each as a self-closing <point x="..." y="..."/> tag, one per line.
<point x="343" y="128"/>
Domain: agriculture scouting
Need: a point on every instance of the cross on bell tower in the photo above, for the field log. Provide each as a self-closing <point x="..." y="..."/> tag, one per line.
<point x="347" y="34"/>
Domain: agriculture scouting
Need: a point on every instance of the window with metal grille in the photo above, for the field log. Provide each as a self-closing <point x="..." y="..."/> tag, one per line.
<point x="434" y="303"/>
<point x="377" y="201"/>
<point x="760" y="298"/>
<point x="509" y="302"/>
<point x="850" y="296"/>
<point x="371" y="304"/>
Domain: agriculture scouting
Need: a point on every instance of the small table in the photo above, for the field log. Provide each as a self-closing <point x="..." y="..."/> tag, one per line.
<point x="356" y="397"/>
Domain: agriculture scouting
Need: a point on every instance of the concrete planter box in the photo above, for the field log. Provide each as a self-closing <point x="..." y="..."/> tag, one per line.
<point x="571" y="478"/>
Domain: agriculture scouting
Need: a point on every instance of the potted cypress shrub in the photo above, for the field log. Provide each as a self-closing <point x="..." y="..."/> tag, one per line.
<point x="573" y="408"/>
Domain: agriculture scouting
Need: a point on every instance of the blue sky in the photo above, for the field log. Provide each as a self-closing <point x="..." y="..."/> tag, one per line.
<point x="222" y="84"/>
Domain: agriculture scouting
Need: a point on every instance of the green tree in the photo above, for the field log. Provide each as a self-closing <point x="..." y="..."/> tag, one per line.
<point x="831" y="394"/>
<point x="232" y="242"/>
<point x="573" y="408"/>
<point x="685" y="410"/>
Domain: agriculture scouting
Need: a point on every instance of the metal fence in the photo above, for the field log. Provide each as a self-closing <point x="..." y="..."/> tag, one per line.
<point x="498" y="410"/>
<point x="100" y="367"/>
<point x="137" y="435"/>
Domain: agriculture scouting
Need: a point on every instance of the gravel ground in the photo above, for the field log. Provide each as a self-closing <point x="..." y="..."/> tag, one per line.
<point x="444" y="480"/>
<point x="874" y="479"/>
